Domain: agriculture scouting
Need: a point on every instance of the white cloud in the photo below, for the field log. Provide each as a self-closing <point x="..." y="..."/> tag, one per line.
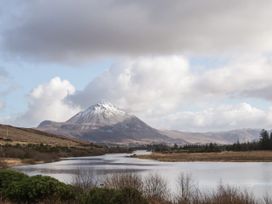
<point x="151" y="85"/>
<point x="223" y="117"/>
<point x="46" y="102"/>
<point x="245" y="76"/>
<point x="164" y="88"/>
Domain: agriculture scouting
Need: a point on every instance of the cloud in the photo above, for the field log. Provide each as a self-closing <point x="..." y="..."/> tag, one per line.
<point x="5" y="86"/>
<point x="152" y="85"/>
<point x="162" y="90"/>
<point x="68" y="29"/>
<point x="169" y="81"/>
<point x="46" y="102"/>
<point x="244" y="76"/>
<point x="2" y="104"/>
<point x="167" y="92"/>
<point x="223" y="117"/>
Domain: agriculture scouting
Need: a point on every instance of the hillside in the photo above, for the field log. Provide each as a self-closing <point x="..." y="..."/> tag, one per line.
<point x="13" y="134"/>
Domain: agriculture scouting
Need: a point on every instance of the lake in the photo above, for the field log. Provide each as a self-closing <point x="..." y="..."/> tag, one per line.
<point x="256" y="177"/>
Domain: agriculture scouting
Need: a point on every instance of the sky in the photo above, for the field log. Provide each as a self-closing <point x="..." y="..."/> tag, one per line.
<point x="185" y="65"/>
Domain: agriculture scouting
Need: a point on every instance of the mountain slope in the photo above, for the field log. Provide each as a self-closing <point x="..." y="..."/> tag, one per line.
<point x="104" y="123"/>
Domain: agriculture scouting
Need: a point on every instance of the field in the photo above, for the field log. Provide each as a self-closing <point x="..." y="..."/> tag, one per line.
<point x="226" y="156"/>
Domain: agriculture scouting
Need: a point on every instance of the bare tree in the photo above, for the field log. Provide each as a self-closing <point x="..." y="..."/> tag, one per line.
<point x="155" y="187"/>
<point x="186" y="187"/>
<point x="85" y="179"/>
<point x="124" y="180"/>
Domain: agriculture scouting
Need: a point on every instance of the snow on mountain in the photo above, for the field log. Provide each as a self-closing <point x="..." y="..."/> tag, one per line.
<point x="99" y="115"/>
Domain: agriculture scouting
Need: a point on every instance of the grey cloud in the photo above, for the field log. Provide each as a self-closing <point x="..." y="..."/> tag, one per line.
<point x="58" y="30"/>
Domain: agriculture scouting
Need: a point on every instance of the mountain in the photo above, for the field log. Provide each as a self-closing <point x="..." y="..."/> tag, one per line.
<point x="13" y="134"/>
<point x="105" y="123"/>
<point x="224" y="137"/>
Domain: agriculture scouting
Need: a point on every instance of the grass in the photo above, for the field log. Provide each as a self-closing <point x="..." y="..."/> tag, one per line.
<point x="226" y="156"/>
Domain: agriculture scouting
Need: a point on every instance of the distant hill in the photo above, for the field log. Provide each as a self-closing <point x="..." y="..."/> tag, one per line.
<point x="32" y="136"/>
<point x="224" y="137"/>
<point x="105" y="123"/>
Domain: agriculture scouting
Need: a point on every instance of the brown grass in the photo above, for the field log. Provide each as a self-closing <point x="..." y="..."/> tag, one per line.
<point x="256" y="156"/>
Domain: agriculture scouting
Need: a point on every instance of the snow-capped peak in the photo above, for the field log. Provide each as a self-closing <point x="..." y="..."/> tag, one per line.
<point x="100" y="114"/>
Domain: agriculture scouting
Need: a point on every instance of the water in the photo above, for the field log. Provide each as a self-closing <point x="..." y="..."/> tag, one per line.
<point x="255" y="177"/>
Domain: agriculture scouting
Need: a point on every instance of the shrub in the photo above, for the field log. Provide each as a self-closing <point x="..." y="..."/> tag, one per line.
<point x="114" y="196"/>
<point x="8" y="176"/>
<point x="37" y="188"/>
<point x="130" y="196"/>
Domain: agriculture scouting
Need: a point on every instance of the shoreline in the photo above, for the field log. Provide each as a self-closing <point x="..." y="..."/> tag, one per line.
<point x="15" y="162"/>
<point x="227" y="156"/>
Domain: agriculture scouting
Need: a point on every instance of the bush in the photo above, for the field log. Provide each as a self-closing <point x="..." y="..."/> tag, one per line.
<point x="130" y="196"/>
<point x="9" y="176"/>
<point x="114" y="196"/>
<point x="37" y="188"/>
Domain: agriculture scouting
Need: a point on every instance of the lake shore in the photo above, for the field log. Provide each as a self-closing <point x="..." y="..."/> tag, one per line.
<point x="23" y="154"/>
<point x="12" y="162"/>
<point x="226" y="156"/>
